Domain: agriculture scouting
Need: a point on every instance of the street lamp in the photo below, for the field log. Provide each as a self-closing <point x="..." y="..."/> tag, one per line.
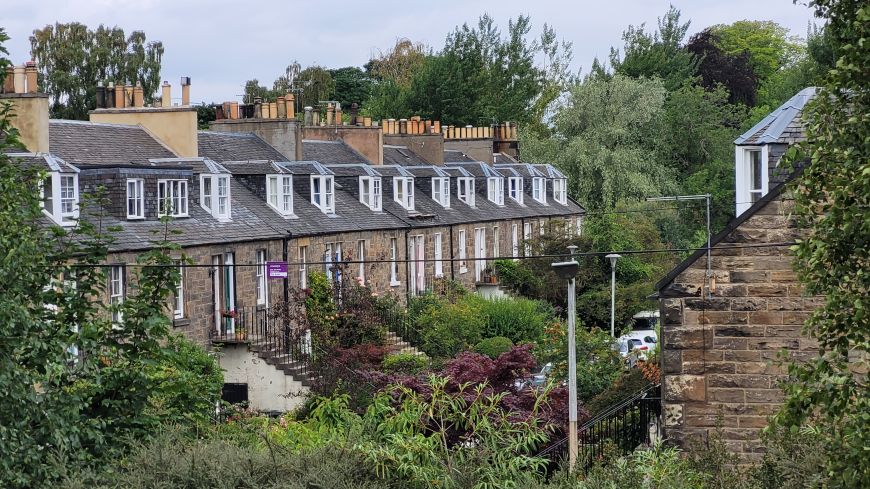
<point x="613" y="257"/>
<point x="568" y="270"/>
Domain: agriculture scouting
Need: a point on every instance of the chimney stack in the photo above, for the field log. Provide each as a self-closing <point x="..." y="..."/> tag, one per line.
<point x="166" y="95"/>
<point x="138" y="95"/>
<point x="185" y="90"/>
<point x="19" y="79"/>
<point x="9" y="81"/>
<point x="31" y="76"/>
<point x="101" y="95"/>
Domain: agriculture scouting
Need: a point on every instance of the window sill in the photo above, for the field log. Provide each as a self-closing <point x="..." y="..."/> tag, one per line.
<point x="135" y="218"/>
<point x="179" y="322"/>
<point x="262" y="307"/>
<point x="439" y="275"/>
<point x="463" y="270"/>
<point x="395" y="283"/>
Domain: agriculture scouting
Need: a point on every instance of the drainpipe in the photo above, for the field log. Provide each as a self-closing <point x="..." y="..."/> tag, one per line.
<point x="407" y="269"/>
<point x="452" y="275"/>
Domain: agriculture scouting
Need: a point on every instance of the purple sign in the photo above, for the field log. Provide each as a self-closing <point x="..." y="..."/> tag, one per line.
<point x="276" y="269"/>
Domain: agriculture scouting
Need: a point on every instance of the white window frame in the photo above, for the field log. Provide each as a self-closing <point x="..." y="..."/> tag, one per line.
<point x="539" y="189"/>
<point x="560" y="190"/>
<point x="178" y="306"/>
<point x="542" y="225"/>
<point x="394" y="264"/>
<point x="441" y="191"/>
<point x="515" y="241"/>
<point x="417" y="268"/>
<point x="463" y="255"/>
<point x="439" y="266"/>
<point x="744" y="177"/>
<point x="495" y="242"/>
<point x="279" y="193"/>
<point x="465" y="190"/>
<point x="403" y="192"/>
<point x="495" y="190"/>
<point x="327" y="261"/>
<point x="166" y="191"/>
<point x="479" y="253"/>
<point x="261" y="282"/>
<point x="515" y="188"/>
<point x="373" y="197"/>
<point x="579" y="226"/>
<point x="216" y="198"/>
<point x="116" y="291"/>
<point x="136" y="198"/>
<point x="324" y="199"/>
<point x="361" y="257"/>
<point x="303" y="267"/>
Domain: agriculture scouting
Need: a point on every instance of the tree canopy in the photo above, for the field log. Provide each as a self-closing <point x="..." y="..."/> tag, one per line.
<point x="72" y="58"/>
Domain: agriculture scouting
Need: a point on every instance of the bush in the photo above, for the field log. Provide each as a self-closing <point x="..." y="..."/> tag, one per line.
<point x="404" y="363"/>
<point x="493" y="347"/>
<point x="449" y="328"/>
<point x="517" y="278"/>
<point x="188" y="382"/>
<point x="626" y="386"/>
<point x="520" y="320"/>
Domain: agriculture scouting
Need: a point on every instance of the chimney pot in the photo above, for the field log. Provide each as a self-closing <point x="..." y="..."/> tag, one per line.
<point x="282" y="107"/>
<point x="119" y="96"/>
<point x="403" y="126"/>
<point x="354" y="108"/>
<point x="308" y="119"/>
<point x="234" y="110"/>
<point x="19" y="79"/>
<point x="367" y="121"/>
<point x="138" y="96"/>
<point x="101" y="95"/>
<point x="185" y="90"/>
<point x="9" y="81"/>
<point x="290" y="100"/>
<point x="330" y="114"/>
<point x="31" y="76"/>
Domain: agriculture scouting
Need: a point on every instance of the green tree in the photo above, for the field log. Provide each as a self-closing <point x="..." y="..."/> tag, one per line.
<point x="72" y="58"/>
<point x="605" y="138"/>
<point x="352" y="85"/>
<point x="832" y="197"/>
<point x="768" y="44"/>
<point x="660" y="54"/>
<point x="716" y="67"/>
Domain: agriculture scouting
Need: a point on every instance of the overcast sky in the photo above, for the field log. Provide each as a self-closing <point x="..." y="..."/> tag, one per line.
<point x="222" y="43"/>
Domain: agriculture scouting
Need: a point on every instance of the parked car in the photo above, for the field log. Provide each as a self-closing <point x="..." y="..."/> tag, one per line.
<point x="537" y="379"/>
<point x="634" y="346"/>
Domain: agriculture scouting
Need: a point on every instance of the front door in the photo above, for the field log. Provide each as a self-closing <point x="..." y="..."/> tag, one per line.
<point x="224" y="293"/>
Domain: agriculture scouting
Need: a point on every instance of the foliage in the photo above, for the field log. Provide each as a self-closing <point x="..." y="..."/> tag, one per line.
<point x="352" y="85"/>
<point x="715" y="67"/>
<point x="493" y="347"/>
<point x="404" y="363"/>
<point x="520" y="320"/>
<point x="450" y="327"/>
<point x="205" y="113"/>
<point x="318" y="85"/>
<point x="72" y="58"/>
<point x="660" y="54"/>
<point x="598" y="363"/>
<point x="832" y="196"/>
<point x="518" y="278"/>
<point x="627" y="383"/>
<point x="605" y="139"/>
<point x="399" y="64"/>
<point x="766" y="42"/>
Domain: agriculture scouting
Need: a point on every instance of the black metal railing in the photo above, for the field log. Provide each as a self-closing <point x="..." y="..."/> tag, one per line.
<point x="618" y="430"/>
<point x="278" y="339"/>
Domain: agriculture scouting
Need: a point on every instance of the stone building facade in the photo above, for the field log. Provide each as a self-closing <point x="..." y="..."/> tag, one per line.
<point x="728" y="328"/>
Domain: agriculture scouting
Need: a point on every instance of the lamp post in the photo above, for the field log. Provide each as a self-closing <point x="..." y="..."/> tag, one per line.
<point x="613" y="257"/>
<point x="568" y="270"/>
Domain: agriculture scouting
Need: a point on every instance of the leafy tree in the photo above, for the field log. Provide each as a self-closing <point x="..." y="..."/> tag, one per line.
<point x="72" y="58"/>
<point x="767" y="43"/>
<point x="317" y="85"/>
<point x="399" y="64"/>
<point x="352" y="85"/>
<point x="660" y="54"/>
<point x="716" y="67"/>
<point x="605" y="139"/>
<point x="832" y="197"/>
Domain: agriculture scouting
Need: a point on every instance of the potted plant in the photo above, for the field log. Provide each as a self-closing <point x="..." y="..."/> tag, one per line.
<point x="229" y="313"/>
<point x="241" y="333"/>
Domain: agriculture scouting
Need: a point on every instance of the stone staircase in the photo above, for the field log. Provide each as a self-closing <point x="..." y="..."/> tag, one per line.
<point x="297" y="367"/>
<point x="398" y="345"/>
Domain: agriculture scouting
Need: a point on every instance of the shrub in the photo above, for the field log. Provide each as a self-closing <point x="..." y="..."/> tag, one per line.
<point x="517" y="278"/>
<point x="493" y="347"/>
<point x="627" y="385"/>
<point x="188" y="382"/>
<point x="448" y="328"/>
<point x="404" y="363"/>
<point x="520" y="320"/>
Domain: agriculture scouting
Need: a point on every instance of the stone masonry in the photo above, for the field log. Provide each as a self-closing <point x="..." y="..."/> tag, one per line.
<point x="721" y="343"/>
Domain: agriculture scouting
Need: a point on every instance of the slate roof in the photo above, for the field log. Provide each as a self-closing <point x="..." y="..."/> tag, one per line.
<point x="354" y="170"/>
<point x="329" y="152"/>
<point x="783" y="125"/>
<point x="228" y="146"/>
<point x="478" y="169"/>
<point x="502" y="158"/>
<point x="401" y="155"/>
<point x="45" y="161"/>
<point x="198" y="165"/>
<point x="525" y="170"/>
<point x="254" y="167"/>
<point x="92" y="143"/>
<point x="549" y="171"/>
<point x="454" y="155"/>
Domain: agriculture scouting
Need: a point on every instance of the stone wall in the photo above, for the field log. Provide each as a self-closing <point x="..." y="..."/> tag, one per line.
<point x="721" y="343"/>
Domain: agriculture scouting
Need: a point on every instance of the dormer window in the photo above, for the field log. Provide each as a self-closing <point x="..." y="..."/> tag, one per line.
<point x="560" y="191"/>
<point x="539" y="186"/>
<point x="215" y="195"/>
<point x="135" y="198"/>
<point x="172" y="198"/>
<point x="279" y="193"/>
<point x="441" y="191"/>
<point x="403" y="192"/>
<point x="515" y="188"/>
<point x="495" y="190"/>
<point x="60" y="194"/>
<point x="323" y="193"/>
<point x="370" y="192"/>
<point x="465" y="187"/>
